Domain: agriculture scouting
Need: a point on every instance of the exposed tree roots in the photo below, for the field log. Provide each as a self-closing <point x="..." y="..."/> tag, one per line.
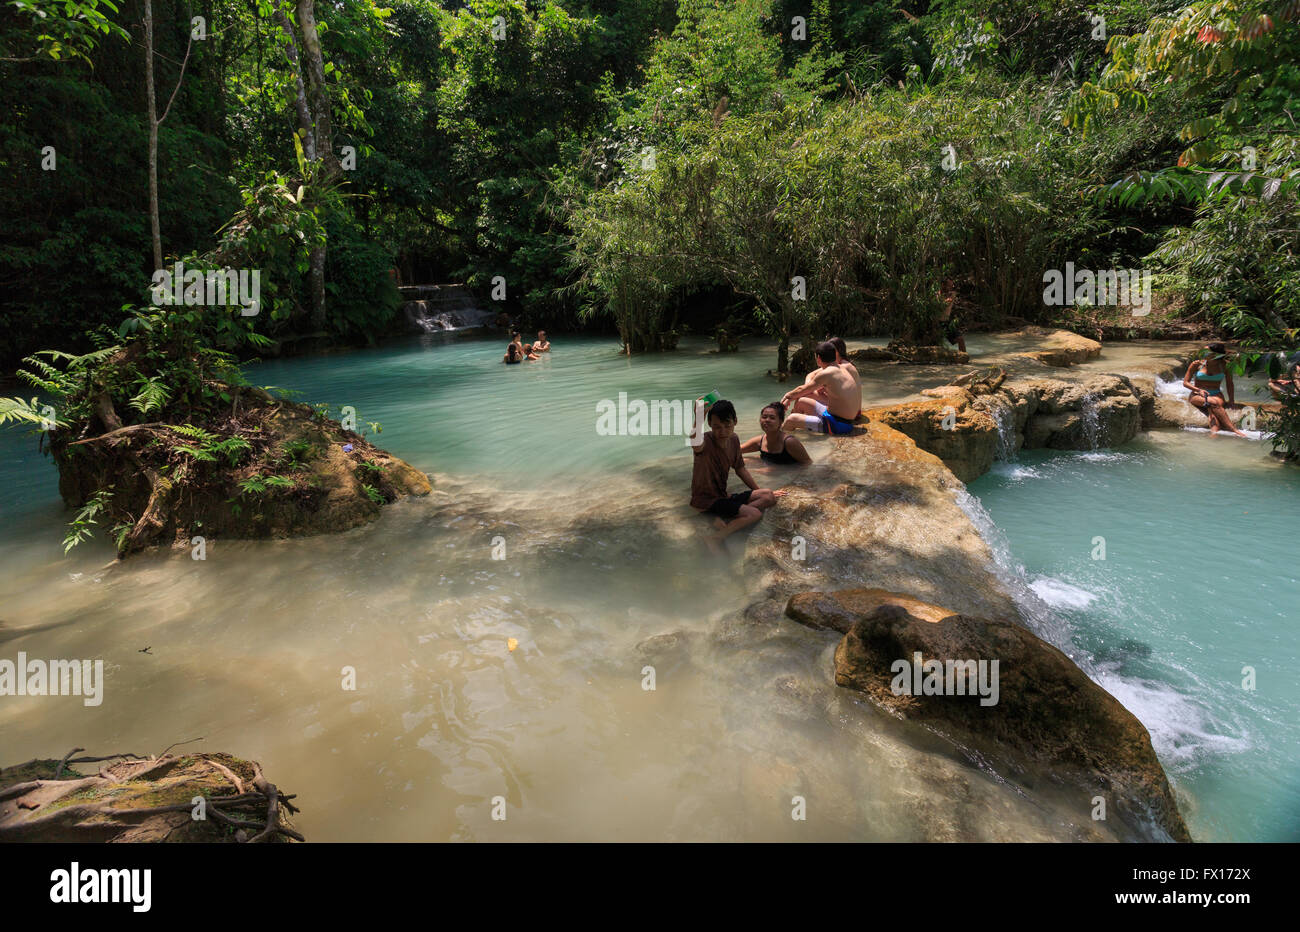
<point x="144" y="799"/>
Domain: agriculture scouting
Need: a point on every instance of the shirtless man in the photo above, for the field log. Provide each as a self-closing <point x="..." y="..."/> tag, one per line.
<point x="542" y="345"/>
<point x="805" y="405"/>
<point x="843" y="394"/>
<point x="842" y="357"/>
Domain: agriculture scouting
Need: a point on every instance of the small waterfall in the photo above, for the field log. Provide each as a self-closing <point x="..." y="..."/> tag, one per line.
<point x="1091" y="417"/>
<point x="1005" y="417"/>
<point x="439" y="308"/>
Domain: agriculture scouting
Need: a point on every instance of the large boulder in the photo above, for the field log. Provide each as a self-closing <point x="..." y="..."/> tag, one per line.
<point x="1035" y="716"/>
<point x="967" y="425"/>
<point x="910" y="353"/>
<point x="1101" y="422"/>
<point x="1144" y="388"/>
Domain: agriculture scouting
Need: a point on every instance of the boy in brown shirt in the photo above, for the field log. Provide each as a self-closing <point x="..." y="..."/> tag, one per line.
<point x="715" y="456"/>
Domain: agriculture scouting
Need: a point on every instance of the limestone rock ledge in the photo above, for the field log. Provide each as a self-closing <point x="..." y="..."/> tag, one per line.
<point x="1044" y="714"/>
<point x="965" y="428"/>
<point x="879" y="513"/>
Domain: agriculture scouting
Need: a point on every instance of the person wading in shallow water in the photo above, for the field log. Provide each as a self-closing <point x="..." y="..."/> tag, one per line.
<point x="950" y="321"/>
<point x="542" y="345"/>
<point x="525" y="352"/>
<point x="1206" y="379"/>
<point x="717" y="453"/>
<point x="774" y="446"/>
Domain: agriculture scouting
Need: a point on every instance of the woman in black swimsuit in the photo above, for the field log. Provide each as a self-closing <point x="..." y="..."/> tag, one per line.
<point x="774" y="445"/>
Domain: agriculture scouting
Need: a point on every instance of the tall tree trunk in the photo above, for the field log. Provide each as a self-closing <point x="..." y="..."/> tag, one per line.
<point x="308" y="132"/>
<point x="154" y="231"/>
<point x="313" y="70"/>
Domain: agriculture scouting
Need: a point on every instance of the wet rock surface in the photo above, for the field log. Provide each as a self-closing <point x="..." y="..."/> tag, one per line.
<point x="1000" y="691"/>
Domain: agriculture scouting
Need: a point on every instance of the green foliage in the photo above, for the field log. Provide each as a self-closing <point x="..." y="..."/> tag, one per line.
<point x="62" y="29"/>
<point x="861" y="198"/>
<point x="153" y="396"/>
<point x="20" y="411"/>
<point x="83" y="524"/>
<point x="1237" y="59"/>
<point x="256" y="486"/>
<point x="296" y="453"/>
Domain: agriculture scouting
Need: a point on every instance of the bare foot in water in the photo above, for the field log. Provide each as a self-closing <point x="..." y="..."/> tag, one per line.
<point x="719" y="524"/>
<point x="714" y="543"/>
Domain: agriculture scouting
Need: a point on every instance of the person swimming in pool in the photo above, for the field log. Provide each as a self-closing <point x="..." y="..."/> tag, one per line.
<point x="775" y="446"/>
<point x="514" y="355"/>
<point x="832" y="382"/>
<point x="1206" y="378"/>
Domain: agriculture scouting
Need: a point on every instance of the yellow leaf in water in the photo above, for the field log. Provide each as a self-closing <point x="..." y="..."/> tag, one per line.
<point x="511" y="643"/>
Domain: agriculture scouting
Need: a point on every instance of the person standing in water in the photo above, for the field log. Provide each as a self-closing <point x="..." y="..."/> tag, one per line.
<point x="1206" y="379"/>
<point x="525" y="352"/>
<point x="843" y="394"/>
<point x="542" y="345"/>
<point x="775" y="446"/>
<point x="951" y="322"/>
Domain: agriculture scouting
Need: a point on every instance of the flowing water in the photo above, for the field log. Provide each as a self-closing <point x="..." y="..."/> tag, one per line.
<point x="579" y="546"/>
<point x="1199" y="579"/>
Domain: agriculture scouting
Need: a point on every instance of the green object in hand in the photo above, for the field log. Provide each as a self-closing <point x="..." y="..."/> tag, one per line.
<point x="711" y="397"/>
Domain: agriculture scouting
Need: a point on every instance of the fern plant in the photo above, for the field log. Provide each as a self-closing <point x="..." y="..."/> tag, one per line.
<point x="83" y="524"/>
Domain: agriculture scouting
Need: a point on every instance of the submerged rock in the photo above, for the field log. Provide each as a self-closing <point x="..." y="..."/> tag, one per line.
<point x="1059" y="348"/>
<point x="1035" y="713"/>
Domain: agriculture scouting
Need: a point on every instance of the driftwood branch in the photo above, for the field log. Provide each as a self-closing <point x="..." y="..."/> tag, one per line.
<point x="239" y="812"/>
<point x="152" y="427"/>
<point x="58" y="771"/>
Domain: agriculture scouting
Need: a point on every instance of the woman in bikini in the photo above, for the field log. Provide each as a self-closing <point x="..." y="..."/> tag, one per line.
<point x="775" y="446"/>
<point x="1206" y="379"/>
